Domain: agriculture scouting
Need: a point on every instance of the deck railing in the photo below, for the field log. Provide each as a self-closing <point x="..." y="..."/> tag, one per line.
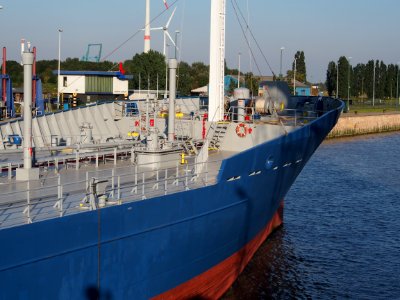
<point x="53" y="196"/>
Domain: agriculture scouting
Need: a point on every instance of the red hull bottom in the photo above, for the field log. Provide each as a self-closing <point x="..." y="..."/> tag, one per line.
<point x="213" y="283"/>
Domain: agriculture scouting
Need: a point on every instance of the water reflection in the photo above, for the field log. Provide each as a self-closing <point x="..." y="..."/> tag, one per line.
<point x="341" y="233"/>
<point x="274" y="272"/>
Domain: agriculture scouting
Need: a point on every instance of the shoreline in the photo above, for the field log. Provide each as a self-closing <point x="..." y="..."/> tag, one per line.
<point x="369" y="123"/>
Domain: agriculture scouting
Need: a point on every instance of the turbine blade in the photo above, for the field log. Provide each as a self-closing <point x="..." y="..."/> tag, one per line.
<point x="166" y="4"/>
<point x="170" y="38"/>
<point x="170" y="18"/>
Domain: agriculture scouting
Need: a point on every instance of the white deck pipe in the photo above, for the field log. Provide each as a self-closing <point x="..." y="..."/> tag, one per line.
<point x="27" y="61"/>
<point x="173" y="64"/>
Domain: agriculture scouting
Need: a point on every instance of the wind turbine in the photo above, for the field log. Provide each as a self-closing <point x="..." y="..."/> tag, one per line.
<point x="166" y="33"/>
<point x="147" y="25"/>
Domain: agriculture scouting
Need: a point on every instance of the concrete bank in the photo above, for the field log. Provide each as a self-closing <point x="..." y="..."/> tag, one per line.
<point x="349" y="125"/>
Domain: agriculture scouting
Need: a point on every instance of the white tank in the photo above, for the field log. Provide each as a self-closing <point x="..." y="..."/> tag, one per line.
<point x="261" y="108"/>
<point x="274" y="100"/>
<point x="241" y="93"/>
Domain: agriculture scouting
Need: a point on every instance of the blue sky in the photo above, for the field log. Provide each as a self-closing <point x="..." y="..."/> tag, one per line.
<point x="324" y="30"/>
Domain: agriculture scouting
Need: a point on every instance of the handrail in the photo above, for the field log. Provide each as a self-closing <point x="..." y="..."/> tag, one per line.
<point x="58" y="199"/>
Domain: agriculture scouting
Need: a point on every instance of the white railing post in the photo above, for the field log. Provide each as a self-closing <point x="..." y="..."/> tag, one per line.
<point x="77" y="160"/>
<point x="119" y="189"/>
<point x="115" y="156"/>
<point x="186" y="177"/>
<point x="206" y="173"/>
<point x="166" y="182"/>
<point x="60" y="195"/>
<point x="143" y="184"/>
<point x="28" y="200"/>
<point x="112" y="182"/>
<point x="9" y="171"/>
<point x="155" y="186"/>
<point x="135" y="187"/>
<point x="56" y="165"/>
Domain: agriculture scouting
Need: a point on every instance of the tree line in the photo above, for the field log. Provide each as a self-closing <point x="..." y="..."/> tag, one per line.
<point x="149" y="71"/>
<point x="374" y="78"/>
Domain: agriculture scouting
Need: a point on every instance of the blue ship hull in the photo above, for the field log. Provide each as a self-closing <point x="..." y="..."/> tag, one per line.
<point x="144" y="249"/>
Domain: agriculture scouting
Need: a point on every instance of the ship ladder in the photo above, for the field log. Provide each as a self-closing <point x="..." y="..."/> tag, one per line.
<point x="218" y="136"/>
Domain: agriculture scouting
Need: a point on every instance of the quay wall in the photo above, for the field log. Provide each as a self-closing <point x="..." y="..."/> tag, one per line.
<point x="365" y="124"/>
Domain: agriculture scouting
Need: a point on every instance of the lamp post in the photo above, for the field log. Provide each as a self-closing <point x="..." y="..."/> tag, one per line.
<point x="176" y="43"/>
<point x="348" y="85"/>
<point x="397" y="91"/>
<point x="238" y="85"/>
<point x="294" y="76"/>
<point x="280" y="69"/>
<point x="59" y="67"/>
<point x="373" y="87"/>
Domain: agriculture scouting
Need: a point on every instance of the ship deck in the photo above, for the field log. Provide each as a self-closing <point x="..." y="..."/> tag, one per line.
<point x="64" y="188"/>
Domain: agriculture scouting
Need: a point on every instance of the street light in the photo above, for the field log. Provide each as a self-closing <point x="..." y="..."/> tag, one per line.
<point x="373" y="88"/>
<point x="280" y="69"/>
<point x="238" y="85"/>
<point x="397" y="93"/>
<point x="348" y="85"/>
<point x="294" y="76"/>
<point x="59" y="67"/>
<point x="176" y="43"/>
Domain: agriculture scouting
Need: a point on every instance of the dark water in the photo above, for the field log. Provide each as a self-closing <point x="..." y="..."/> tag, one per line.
<point x="341" y="237"/>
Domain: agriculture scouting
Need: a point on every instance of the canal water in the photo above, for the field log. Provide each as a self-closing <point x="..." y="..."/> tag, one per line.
<point x="341" y="232"/>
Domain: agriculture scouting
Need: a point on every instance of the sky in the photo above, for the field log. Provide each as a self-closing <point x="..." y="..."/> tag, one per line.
<point x="323" y="29"/>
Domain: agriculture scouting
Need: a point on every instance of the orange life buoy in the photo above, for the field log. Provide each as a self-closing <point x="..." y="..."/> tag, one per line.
<point x="241" y="130"/>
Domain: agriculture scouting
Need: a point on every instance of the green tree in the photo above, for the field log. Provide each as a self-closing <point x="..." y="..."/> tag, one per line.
<point x="381" y="79"/>
<point x="199" y="74"/>
<point x="15" y="70"/>
<point x="344" y="75"/>
<point x="358" y="80"/>
<point x="252" y="83"/>
<point x="391" y="81"/>
<point x="331" y="74"/>
<point x="184" y="84"/>
<point x="147" y="67"/>
<point x="301" y="72"/>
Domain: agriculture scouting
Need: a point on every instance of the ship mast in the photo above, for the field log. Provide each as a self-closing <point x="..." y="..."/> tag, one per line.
<point x="217" y="59"/>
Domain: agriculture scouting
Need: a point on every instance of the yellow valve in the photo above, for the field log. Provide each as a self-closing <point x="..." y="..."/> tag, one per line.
<point x="183" y="161"/>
